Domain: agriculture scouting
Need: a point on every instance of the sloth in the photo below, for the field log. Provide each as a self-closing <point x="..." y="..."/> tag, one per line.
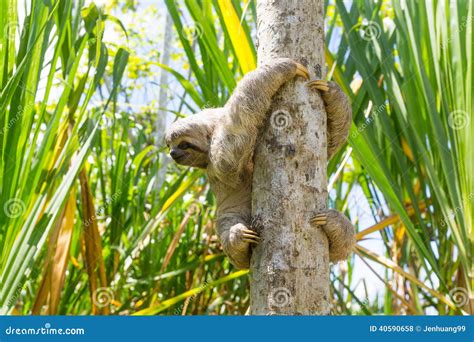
<point x="222" y="141"/>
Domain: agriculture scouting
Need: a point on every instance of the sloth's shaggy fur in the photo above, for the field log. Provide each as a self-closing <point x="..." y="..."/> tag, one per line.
<point x="222" y="141"/>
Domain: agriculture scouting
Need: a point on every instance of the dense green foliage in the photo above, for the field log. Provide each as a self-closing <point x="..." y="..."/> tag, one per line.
<point x="93" y="218"/>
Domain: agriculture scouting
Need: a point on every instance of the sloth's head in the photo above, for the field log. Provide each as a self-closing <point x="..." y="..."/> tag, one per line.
<point x="189" y="139"/>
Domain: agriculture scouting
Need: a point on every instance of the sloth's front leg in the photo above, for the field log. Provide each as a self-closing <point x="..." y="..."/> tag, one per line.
<point x="339" y="113"/>
<point x="236" y="242"/>
<point x="340" y="233"/>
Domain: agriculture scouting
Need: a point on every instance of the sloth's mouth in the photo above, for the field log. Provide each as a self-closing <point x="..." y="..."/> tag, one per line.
<point x="187" y="160"/>
<point x="181" y="159"/>
<point x="178" y="157"/>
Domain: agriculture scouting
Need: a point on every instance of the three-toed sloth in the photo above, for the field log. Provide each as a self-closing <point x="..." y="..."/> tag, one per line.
<point x="222" y="141"/>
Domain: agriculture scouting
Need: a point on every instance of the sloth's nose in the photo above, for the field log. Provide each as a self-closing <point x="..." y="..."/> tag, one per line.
<point x="175" y="153"/>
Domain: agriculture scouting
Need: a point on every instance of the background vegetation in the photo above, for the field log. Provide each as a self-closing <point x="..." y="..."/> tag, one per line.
<point x="95" y="220"/>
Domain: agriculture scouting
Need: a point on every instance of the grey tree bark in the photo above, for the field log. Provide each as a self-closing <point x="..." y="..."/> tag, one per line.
<point x="290" y="267"/>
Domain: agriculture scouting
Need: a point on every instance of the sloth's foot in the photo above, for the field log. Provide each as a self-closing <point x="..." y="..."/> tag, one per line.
<point x="336" y="102"/>
<point x="319" y="85"/>
<point x="340" y="233"/>
<point x="238" y="246"/>
<point x="319" y="220"/>
<point x="302" y="71"/>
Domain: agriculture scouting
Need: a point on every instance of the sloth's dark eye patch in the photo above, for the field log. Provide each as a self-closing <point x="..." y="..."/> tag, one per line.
<point x="184" y="145"/>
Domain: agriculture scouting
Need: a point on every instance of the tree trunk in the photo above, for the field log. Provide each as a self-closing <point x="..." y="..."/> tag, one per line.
<point x="290" y="267"/>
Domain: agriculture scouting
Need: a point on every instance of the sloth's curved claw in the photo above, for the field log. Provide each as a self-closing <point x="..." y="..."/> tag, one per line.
<point x="251" y="239"/>
<point x="319" y="220"/>
<point x="249" y="231"/>
<point x="250" y="236"/>
<point x="302" y="71"/>
<point x="321" y="85"/>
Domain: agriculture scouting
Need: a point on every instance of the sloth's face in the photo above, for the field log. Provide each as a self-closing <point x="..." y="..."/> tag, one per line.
<point x="184" y="152"/>
<point x="189" y="138"/>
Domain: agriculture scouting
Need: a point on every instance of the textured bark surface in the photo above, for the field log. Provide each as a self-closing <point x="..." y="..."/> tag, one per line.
<point x="290" y="267"/>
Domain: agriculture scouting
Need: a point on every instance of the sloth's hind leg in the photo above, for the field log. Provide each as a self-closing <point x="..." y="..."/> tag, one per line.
<point x="340" y="233"/>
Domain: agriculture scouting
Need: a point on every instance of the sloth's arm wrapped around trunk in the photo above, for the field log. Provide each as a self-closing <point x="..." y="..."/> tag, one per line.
<point x="244" y="114"/>
<point x="339" y="113"/>
<point x="339" y="230"/>
<point x="232" y="146"/>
